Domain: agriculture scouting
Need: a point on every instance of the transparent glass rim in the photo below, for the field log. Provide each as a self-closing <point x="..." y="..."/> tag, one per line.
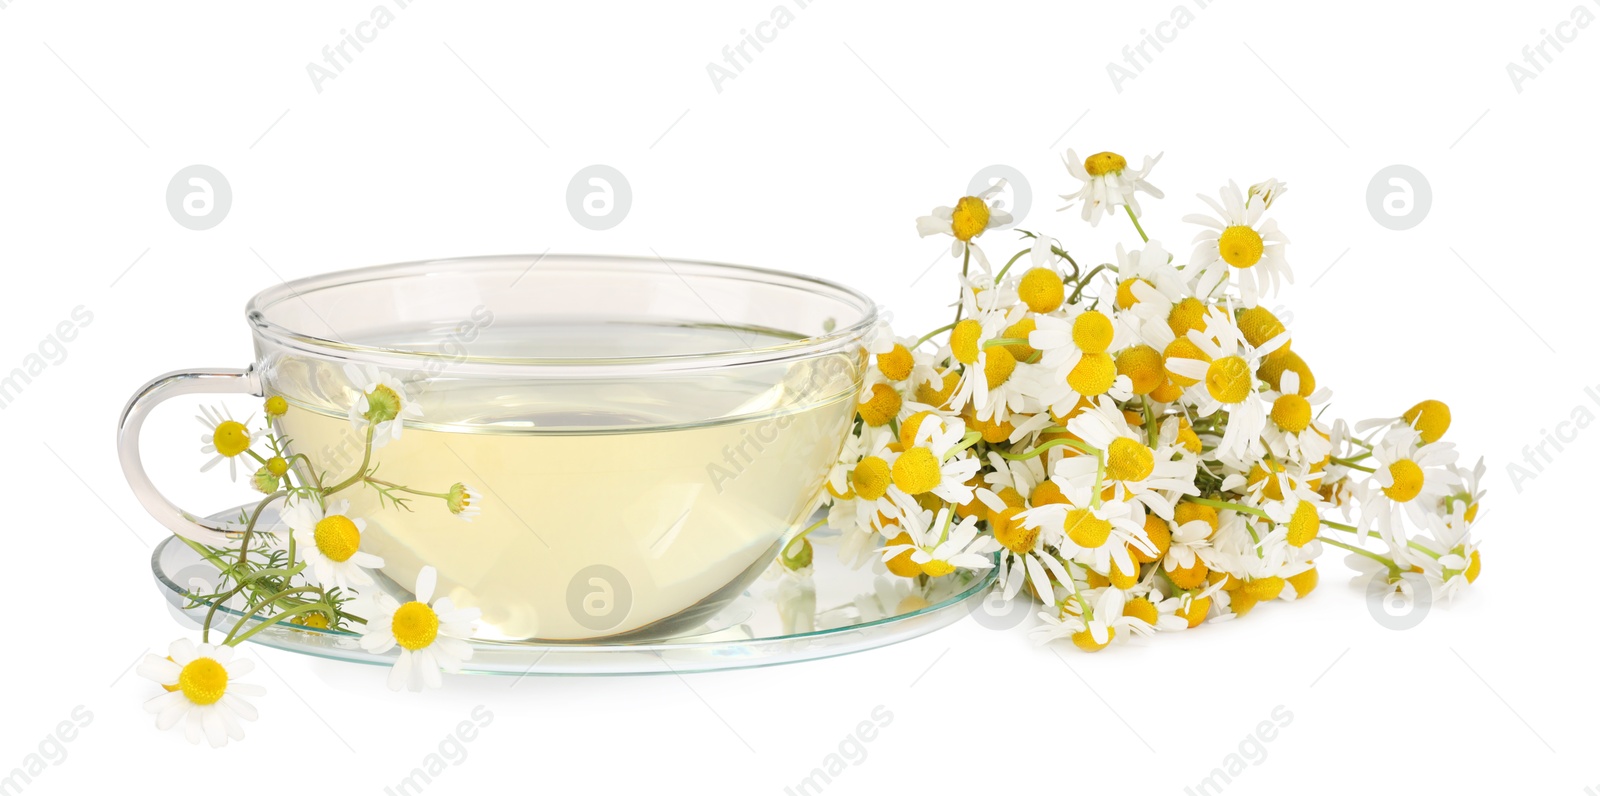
<point x="258" y="310"/>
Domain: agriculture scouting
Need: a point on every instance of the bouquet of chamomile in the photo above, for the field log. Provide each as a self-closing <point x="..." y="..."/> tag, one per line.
<point x="1137" y="439"/>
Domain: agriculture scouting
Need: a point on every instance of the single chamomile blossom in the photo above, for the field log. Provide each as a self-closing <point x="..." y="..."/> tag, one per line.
<point x="1147" y="282"/>
<point x="1096" y="534"/>
<point x="938" y="545"/>
<point x="329" y="539"/>
<point x="971" y="216"/>
<point x="1293" y="434"/>
<point x="1238" y="245"/>
<point x="383" y="404"/>
<point x="202" y="691"/>
<point x="1108" y="183"/>
<point x="431" y="638"/>
<point x="1089" y="633"/>
<point x="1153" y="477"/>
<point x="1410" y="478"/>
<point x="1226" y="379"/>
<point x="933" y="462"/>
<point x="225" y="438"/>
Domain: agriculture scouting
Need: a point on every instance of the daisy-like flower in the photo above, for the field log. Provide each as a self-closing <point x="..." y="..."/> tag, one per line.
<point x="1294" y="435"/>
<point x="1153" y="477"/>
<point x="1147" y="282"/>
<point x="1226" y="379"/>
<point x="1150" y="612"/>
<point x="971" y="216"/>
<point x="900" y="363"/>
<point x="431" y="638"/>
<point x="938" y="546"/>
<point x="1409" y="479"/>
<point x="1108" y="183"/>
<point x="1090" y="633"/>
<point x="202" y="691"/>
<point x="931" y="463"/>
<point x="1238" y="243"/>
<point x="383" y="405"/>
<point x="330" y="541"/>
<point x="225" y="438"/>
<point x="1097" y="534"/>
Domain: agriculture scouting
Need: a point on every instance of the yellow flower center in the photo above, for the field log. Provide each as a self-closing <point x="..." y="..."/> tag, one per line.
<point x="1273" y="368"/>
<point x="901" y="564"/>
<point x="1047" y="493"/>
<point x="1085" y="529"/>
<point x="1123" y="580"/>
<point x="1474" y="566"/>
<point x="1190" y="577"/>
<point x="1304" y="524"/>
<point x="895" y="364"/>
<point x="937" y="569"/>
<point x="998" y="366"/>
<point x="1143" y="366"/>
<point x="1259" y="325"/>
<point x="313" y="619"/>
<point x="964" y="341"/>
<point x="881" y="406"/>
<point x="1160" y="537"/>
<point x="1142" y="609"/>
<point x="1274" y="480"/>
<point x="939" y="396"/>
<point x="1263" y="588"/>
<point x="1430" y="419"/>
<point x="415" y="626"/>
<point x="1103" y="163"/>
<point x="277" y="466"/>
<point x="1125" y="296"/>
<point x="1304" y="582"/>
<point x="870" y="478"/>
<point x="276" y="406"/>
<point x="203" y="681"/>
<point x="337" y="537"/>
<point x="1127" y="460"/>
<point x="1093" y="375"/>
<point x="1186" y="512"/>
<point x="1092" y="331"/>
<point x="1085" y="640"/>
<point x="970" y="218"/>
<point x="230" y="438"/>
<point x="1292" y="413"/>
<point x="1228" y="380"/>
<point x="1187" y="314"/>
<point x="910" y="426"/>
<point x="1407" y="481"/>
<point x="1240" y="247"/>
<point x="1186" y="436"/>
<point x="1183" y="348"/>
<point x="1195" y="612"/>
<point x="1242" y="603"/>
<point x="916" y="471"/>
<point x="1041" y="289"/>
<point x="1011" y="534"/>
<point x="1022" y="352"/>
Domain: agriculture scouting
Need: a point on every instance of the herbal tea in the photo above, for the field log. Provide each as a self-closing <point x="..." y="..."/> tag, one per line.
<point x="607" y="507"/>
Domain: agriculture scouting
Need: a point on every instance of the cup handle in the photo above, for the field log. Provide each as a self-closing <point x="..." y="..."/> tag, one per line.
<point x="171" y="385"/>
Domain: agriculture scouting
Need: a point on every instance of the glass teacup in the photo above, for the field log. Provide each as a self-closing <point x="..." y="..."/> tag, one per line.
<point x="635" y="440"/>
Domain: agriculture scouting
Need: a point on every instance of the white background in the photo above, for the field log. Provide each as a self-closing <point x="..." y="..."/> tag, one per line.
<point x="456" y="132"/>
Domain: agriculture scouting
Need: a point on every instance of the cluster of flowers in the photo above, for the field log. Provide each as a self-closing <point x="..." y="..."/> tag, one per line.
<point x="316" y="577"/>
<point x="1139" y="442"/>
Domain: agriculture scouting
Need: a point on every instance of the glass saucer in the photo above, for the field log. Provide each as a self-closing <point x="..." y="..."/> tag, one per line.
<point x="779" y="619"/>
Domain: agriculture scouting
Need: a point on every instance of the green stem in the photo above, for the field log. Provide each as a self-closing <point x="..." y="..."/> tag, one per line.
<point x="929" y="336"/>
<point x="361" y="472"/>
<point x="1350" y="463"/>
<point x="1009" y="263"/>
<point x="318" y="607"/>
<point x="1394" y="570"/>
<point x="961" y="298"/>
<point x="1223" y="504"/>
<point x="1136" y="225"/>
<point x="1055" y="443"/>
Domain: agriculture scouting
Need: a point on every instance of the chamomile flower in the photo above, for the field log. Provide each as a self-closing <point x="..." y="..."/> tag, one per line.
<point x="933" y="463"/>
<point x="1150" y="611"/>
<point x="1226" y="379"/>
<point x="202" y="691"/>
<point x="1294" y="433"/>
<point x="1108" y="183"/>
<point x="1147" y="282"/>
<point x="1076" y="360"/>
<point x="383" y="404"/>
<point x="1151" y="476"/>
<point x="225" y="438"/>
<point x="1238" y="245"/>
<point x="1410" y="478"/>
<point x="938" y="545"/>
<point x="330" y="541"/>
<point x="1092" y="632"/>
<point x="432" y="638"/>
<point x="464" y="501"/>
<point x="971" y="216"/>
<point x="1097" y="534"/>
